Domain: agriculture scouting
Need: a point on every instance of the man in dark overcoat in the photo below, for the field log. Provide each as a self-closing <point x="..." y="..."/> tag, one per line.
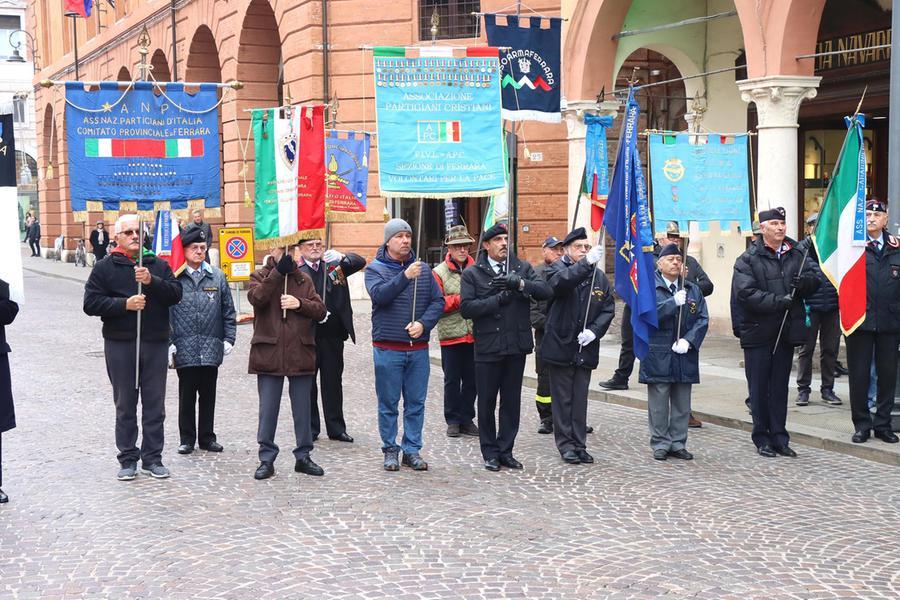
<point x="8" y="312"/>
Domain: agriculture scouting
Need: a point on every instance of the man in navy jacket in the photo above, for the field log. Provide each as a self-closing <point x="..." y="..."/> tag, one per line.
<point x="396" y="280"/>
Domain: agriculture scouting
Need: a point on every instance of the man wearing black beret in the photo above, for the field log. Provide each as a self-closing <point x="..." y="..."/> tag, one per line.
<point x="496" y="295"/>
<point x="767" y="287"/>
<point x="571" y="346"/>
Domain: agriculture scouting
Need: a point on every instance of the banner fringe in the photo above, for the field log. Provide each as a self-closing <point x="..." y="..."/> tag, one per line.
<point x="444" y="195"/>
<point x="531" y="115"/>
<point x="80" y="216"/>
<point x="344" y="217"/>
<point x="93" y="205"/>
<point x="289" y="240"/>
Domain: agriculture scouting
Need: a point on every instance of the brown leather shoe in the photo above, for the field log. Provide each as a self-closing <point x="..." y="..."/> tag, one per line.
<point x="694" y="423"/>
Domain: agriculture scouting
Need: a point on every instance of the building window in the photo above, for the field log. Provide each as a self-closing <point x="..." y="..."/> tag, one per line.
<point x="18" y="109"/>
<point x="456" y="19"/>
<point x="8" y="24"/>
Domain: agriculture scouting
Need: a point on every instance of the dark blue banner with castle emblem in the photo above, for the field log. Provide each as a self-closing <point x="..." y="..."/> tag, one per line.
<point x="142" y="149"/>
<point x="530" y="66"/>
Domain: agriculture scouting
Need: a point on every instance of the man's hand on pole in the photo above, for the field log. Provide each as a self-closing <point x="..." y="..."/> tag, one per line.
<point x="142" y="275"/>
<point x="136" y="302"/>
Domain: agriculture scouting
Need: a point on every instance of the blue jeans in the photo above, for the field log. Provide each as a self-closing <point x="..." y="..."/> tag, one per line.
<point x="399" y="372"/>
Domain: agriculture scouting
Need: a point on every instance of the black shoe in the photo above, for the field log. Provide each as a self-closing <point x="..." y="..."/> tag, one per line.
<point x="584" y="457"/>
<point x="342" y="437"/>
<point x="3" y="498"/>
<point x="839" y="370"/>
<point x="766" y="451"/>
<point x="829" y="397"/>
<point x="545" y="427"/>
<point x="185" y="448"/>
<point x="785" y="451"/>
<point x="860" y="437"/>
<point x="803" y="398"/>
<point x="614" y="384"/>
<point x="509" y="462"/>
<point x="470" y="429"/>
<point x="453" y="430"/>
<point x="660" y="454"/>
<point x="307" y="466"/>
<point x="414" y="462"/>
<point x="213" y="447"/>
<point x="571" y="457"/>
<point x="589" y="429"/>
<point x="682" y="454"/>
<point x="315" y="437"/>
<point x="492" y="464"/>
<point x="888" y="436"/>
<point x="265" y="470"/>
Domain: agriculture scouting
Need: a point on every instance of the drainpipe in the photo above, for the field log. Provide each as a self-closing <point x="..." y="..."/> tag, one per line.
<point x="174" y="44"/>
<point x="326" y="92"/>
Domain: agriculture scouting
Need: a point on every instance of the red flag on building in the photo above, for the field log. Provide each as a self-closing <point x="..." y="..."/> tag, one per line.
<point x="80" y="7"/>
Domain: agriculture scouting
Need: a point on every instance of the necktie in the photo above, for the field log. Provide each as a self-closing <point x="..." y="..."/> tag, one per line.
<point x="501" y="268"/>
<point x="197" y="274"/>
<point x="314" y="266"/>
<point x="672" y="287"/>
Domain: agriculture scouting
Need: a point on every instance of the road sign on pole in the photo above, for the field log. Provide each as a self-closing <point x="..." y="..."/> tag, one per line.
<point x="236" y="245"/>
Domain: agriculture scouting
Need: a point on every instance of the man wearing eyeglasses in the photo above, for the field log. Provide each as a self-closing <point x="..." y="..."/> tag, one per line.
<point x="329" y="270"/>
<point x="581" y="311"/>
<point x="111" y="293"/>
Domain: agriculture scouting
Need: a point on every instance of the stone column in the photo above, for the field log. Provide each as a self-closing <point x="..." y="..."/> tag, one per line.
<point x="777" y="100"/>
<point x="577" y="130"/>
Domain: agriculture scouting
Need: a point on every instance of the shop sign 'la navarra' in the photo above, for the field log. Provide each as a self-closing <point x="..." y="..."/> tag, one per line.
<point x="134" y="150"/>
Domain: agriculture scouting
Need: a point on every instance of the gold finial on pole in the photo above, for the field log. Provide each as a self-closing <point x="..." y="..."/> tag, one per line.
<point x="435" y="23"/>
<point x="144" y="49"/>
<point x="333" y="106"/>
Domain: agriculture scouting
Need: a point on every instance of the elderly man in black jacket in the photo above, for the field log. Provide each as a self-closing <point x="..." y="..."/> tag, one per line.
<point x="496" y="295"/>
<point x="8" y="312"/>
<point x="571" y="344"/>
<point x="111" y="293"/>
<point x="824" y="324"/>
<point x="203" y="333"/>
<point x="768" y="285"/>
<point x="329" y="270"/>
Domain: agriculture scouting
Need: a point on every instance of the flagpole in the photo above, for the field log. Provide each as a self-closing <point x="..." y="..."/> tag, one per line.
<point x="284" y="310"/>
<point x="137" y="347"/>
<point x="681" y="279"/>
<point x="418" y="259"/>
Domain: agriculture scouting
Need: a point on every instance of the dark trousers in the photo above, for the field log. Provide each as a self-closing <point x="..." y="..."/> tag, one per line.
<point x="99" y="254"/>
<point x="458" y="362"/>
<point x="197" y="385"/>
<point x="35" y="245"/>
<point x="1" y="460"/>
<point x="542" y="395"/>
<point x="569" y="388"/>
<point x="330" y="366"/>
<point x="270" y="388"/>
<point x="626" y="352"/>
<point x="768" y="377"/>
<point x="503" y="377"/>
<point x="827" y="328"/>
<point x="860" y="346"/>
<point x="120" y="369"/>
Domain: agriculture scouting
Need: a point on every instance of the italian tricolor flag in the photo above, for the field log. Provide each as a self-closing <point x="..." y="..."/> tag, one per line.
<point x="143" y="148"/>
<point x="840" y="237"/>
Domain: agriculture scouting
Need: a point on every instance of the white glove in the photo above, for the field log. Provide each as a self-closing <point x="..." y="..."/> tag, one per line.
<point x="681" y="346"/>
<point x="172" y="351"/>
<point x="595" y="254"/>
<point x="327" y="314"/>
<point x="586" y="337"/>
<point x="332" y="256"/>
<point x="680" y="297"/>
<point x="227" y="347"/>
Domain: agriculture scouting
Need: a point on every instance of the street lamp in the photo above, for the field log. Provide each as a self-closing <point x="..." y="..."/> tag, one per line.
<point x="16" y="55"/>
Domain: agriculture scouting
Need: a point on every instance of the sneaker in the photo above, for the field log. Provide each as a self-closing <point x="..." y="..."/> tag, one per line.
<point x="414" y="462"/>
<point x="391" y="460"/>
<point x="803" y="398"/>
<point x="829" y="397"/>
<point x="453" y="430"/>
<point x="127" y="472"/>
<point x="470" y="429"/>
<point x="157" y="471"/>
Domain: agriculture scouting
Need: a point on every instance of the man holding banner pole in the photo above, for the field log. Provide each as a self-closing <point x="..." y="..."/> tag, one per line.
<point x="128" y="282"/>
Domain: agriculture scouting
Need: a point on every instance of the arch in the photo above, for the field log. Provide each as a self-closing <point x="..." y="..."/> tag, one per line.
<point x="50" y="205"/>
<point x="123" y="75"/>
<point x="590" y="50"/>
<point x="203" y="57"/>
<point x="160" y="66"/>
<point x="776" y="31"/>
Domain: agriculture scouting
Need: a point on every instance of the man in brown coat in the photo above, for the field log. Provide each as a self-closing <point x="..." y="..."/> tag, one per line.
<point x="284" y="345"/>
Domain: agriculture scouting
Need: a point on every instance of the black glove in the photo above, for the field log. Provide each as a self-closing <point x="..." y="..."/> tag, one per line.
<point x="785" y="302"/>
<point x="504" y="297"/>
<point x="286" y="265"/>
<point x="509" y="282"/>
<point x="4" y="290"/>
<point x="796" y="282"/>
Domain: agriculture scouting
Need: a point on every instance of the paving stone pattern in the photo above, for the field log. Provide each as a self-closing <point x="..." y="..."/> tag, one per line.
<point x="726" y="525"/>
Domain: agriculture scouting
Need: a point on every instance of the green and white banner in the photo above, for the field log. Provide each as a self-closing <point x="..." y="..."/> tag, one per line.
<point x="277" y="143"/>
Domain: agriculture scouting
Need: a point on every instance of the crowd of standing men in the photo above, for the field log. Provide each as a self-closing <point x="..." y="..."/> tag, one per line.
<point x="490" y="311"/>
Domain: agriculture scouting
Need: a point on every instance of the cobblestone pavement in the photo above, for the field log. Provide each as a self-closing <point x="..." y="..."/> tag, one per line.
<point x="727" y="525"/>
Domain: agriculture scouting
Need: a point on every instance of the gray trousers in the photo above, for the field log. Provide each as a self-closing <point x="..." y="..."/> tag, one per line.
<point x="120" y="369"/>
<point x="270" y="388"/>
<point x="569" y="390"/>
<point x="669" y="408"/>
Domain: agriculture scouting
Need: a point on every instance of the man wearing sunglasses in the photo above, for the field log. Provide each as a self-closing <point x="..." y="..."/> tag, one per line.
<point x="111" y="293"/>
